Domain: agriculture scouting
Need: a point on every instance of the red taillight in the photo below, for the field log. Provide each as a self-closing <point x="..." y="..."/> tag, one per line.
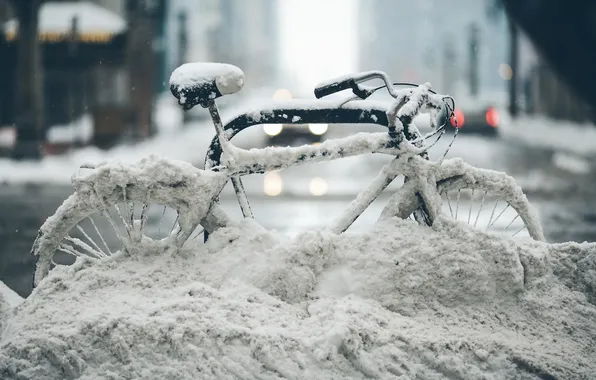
<point x="492" y="117"/>
<point x="459" y="115"/>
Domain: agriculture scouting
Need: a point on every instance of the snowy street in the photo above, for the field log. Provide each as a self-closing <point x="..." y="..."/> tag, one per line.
<point x="134" y="244"/>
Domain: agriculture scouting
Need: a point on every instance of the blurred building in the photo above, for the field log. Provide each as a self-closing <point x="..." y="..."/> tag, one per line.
<point x="240" y="32"/>
<point x="83" y="47"/>
<point x="428" y="40"/>
<point x="247" y="37"/>
<point x="103" y="66"/>
<point x="546" y="94"/>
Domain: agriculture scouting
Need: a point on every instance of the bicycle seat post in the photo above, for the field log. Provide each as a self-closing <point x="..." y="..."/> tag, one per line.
<point x="224" y="144"/>
<point x="217" y="123"/>
<point x="202" y="83"/>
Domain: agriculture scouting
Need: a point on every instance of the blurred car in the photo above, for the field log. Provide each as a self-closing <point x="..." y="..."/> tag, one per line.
<point x="293" y="134"/>
<point x="482" y="120"/>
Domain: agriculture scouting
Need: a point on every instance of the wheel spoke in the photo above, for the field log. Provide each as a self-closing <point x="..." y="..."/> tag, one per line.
<point x="492" y="215"/>
<point x="161" y="219"/>
<point x="81" y="244"/>
<point x="471" y="203"/>
<point x="91" y="240"/>
<point x="106" y="214"/>
<point x="449" y="202"/>
<point x="144" y="216"/>
<point x="174" y="225"/>
<point x="100" y="235"/>
<point x="513" y="220"/>
<point x="497" y="218"/>
<point x="480" y="209"/>
<point x="520" y="230"/>
<point x="130" y="211"/>
<point x="124" y="222"/>
<point x="69" y="250"/>
<point x="457" y="205"/>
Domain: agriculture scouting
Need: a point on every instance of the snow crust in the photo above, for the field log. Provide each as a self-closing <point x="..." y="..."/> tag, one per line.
<point x="402" y="301"/>
<point x="56" y="17"/>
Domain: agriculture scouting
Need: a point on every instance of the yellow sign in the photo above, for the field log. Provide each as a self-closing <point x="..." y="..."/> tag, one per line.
<point x="54" y="37"/>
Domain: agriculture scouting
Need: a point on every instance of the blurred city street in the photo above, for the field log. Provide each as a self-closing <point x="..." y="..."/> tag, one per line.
<point x="105" y="96"/>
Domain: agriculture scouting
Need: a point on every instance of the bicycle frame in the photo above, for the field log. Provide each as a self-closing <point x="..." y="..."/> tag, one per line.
<point x="299" y="112"/>
<point x="397" y="117"/>
<point x="359" y="144"/>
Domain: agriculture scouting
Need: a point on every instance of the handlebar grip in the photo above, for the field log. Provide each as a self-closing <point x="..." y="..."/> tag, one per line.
<point x="335" y="86"/>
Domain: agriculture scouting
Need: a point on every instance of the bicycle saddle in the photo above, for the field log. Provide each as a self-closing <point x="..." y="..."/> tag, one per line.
<point x="199" y="82"/>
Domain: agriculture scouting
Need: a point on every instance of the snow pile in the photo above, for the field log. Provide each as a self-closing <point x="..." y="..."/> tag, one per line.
<point x="402" y="300"/>
<point x="80" y="130"/>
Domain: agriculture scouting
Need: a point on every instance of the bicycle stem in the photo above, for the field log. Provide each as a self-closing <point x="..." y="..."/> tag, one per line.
<point x="225" y="147"/>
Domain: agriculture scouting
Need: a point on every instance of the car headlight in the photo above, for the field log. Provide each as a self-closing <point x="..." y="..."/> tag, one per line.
<point x="272" y="129"/>
<point x="318" y="129"/>
<point x="272" y="184"/>
<point x="318" y="186"/>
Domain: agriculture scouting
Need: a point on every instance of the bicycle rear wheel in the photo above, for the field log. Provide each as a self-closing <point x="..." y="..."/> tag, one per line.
<point x="150" y="207"/>
<point x="484" y="199"/>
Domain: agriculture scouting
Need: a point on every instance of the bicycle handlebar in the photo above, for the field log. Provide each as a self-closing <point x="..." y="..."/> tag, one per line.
<point x="351" y="81"/>
<point x="337" y="85"/>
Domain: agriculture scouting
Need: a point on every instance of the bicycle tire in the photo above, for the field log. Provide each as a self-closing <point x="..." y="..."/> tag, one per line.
<point x="171" y="188"/>
<point x="406" y="200"/>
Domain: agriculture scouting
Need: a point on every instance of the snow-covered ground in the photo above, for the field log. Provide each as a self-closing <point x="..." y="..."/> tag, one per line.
<point x="417" y="303"/>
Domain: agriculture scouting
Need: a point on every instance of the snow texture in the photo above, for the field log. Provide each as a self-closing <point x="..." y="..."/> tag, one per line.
<point x="56" y="17"/>
<point x="8" y="301"/>
<point x="402" y="301"/>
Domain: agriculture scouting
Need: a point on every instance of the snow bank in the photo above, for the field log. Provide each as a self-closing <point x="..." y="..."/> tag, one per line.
<point x="402" y="300"/>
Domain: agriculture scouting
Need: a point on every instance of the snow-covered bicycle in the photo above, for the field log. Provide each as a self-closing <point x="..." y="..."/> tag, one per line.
<point x="124" y="195"/>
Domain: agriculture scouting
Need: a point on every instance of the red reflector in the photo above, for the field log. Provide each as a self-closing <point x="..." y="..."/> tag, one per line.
<point x="492" y="117"/>
<point x="459" y="115"/>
